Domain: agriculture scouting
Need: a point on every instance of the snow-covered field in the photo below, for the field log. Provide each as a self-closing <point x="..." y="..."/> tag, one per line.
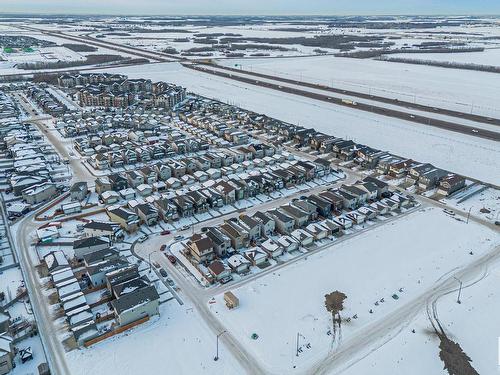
<point x="448" y="88"/>
<point x="485" y="204"/>
<point x="470" y="156"/>
<point x="291" y="300"/>
<point x="487" y="57"/>
<point x="468" y="323"/>
<point x="178" y="342"/>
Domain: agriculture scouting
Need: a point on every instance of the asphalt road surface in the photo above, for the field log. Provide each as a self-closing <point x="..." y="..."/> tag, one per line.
<point x="424" y="120"/>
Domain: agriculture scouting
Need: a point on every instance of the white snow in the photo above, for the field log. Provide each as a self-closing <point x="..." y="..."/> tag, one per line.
<point x="279" y="305"/>
<point x="178" y="341"/>
<point x="458" y="153"/>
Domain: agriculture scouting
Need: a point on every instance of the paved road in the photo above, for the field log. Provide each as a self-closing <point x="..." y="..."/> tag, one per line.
<point x="424" y="120"/>
<point x="165" y="57"/>
<point x="45" y="124"/>
<point x="54" y="350"/>
<point x="372" y="337"/>
<point x="381" y="99"/>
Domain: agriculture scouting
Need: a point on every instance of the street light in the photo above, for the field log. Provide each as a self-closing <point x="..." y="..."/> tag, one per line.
<point x="459" y="290"/>
<point x="298" y="335"/>
<point x="149" y="259"/>
<point x="216" y="358"/>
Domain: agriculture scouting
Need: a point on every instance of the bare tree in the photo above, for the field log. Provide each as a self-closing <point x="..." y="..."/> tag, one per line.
<point x="334" y="303"/>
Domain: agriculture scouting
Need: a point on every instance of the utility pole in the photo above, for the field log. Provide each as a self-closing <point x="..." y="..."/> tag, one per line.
<point x="149" y="259"/>
<point x="459" y="290"/>
<point x="216" y="358"/>
<point x="298" y="337"/>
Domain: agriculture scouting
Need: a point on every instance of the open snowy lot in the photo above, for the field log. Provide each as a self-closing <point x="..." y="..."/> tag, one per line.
<point x="456" y="89"/>
<point x="463" y="154"/>
<point x="489" y="56"/>
<point x="290" y="301"/>
<point x="159" y="346"/>
<point x="466" y="323"/>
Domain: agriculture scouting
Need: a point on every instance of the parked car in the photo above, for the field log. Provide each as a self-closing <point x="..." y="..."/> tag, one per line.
<point x="163" y="247"/>
<point x="142" y="239"/>
<point x="165" y="233"/>
<point x="185" y="227"/>
<point x="170" y="282"/>
<point x="177" y="238"/>
<point x="163" y="272"/>
<point x="172" y="259"/>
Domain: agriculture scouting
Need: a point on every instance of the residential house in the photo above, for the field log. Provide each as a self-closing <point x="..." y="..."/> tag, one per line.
<point x="127" y="219"/>
<point x="256" y="256"/>
<point x="450" y="184"/>
<point x="110" y="230"/>
<point x="201" y="248"/>
<point x="318" y="231"/>
<point x="284" y="223"/>
<point x="147" y="213"/>
<point x="79" y="191"/>
<point x="301" y="217"/>
<point x="89" y="245"/>
<point x="238" y="263"/>
<point x="219" y="271"/>
<point x="430" y="179"/>
<point x="221" y="242"/>
<point x="136" y="305"/>
<point x="268" y="224"/>
<point x="252" y="226"/>
<point x="272" y="248"/>
<point x="237" y="235"/>
<point x="303" y="237"/>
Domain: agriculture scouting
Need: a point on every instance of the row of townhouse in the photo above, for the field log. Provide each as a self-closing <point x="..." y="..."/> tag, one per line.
<point x="247" y="241"/>
<point x="7" y="106"/>
<point x="82" y="79"/>
<point x="127" y="153"/>
<point x="31" y="174"/>
<point x="130" y="295"/>
<point x="148" y="203"/>
<point x="222" y="128"/>
<point x="97" y="121"/>
<point x="202" y="167"/>
<point x="48" y="102"/>
<point x="423" y="175"/>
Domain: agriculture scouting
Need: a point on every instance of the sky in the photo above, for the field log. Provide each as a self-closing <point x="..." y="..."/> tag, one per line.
<point x="253" y="7"/>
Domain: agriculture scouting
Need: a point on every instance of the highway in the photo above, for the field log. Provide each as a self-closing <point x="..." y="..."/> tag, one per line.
<point x="419" y="119"/>
<point x="259" y="79"/>
<point x="361" y="95"/>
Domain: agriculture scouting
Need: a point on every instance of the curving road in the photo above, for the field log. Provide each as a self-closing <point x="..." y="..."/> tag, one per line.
<point x="375" y="335"/>
<point x="54" y="350"/>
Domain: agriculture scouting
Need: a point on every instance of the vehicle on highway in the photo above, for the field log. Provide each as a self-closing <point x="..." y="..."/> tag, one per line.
<point x="449" y="212"/>
<point x="475" y="131"/>
<point x="141" y="239"/>
<point x="163" y="247"/>
<point x="163" y="272"/>
<point x="165" y="233"/>
<point x="171" y="258"/>
<point x="349" y="101"/>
